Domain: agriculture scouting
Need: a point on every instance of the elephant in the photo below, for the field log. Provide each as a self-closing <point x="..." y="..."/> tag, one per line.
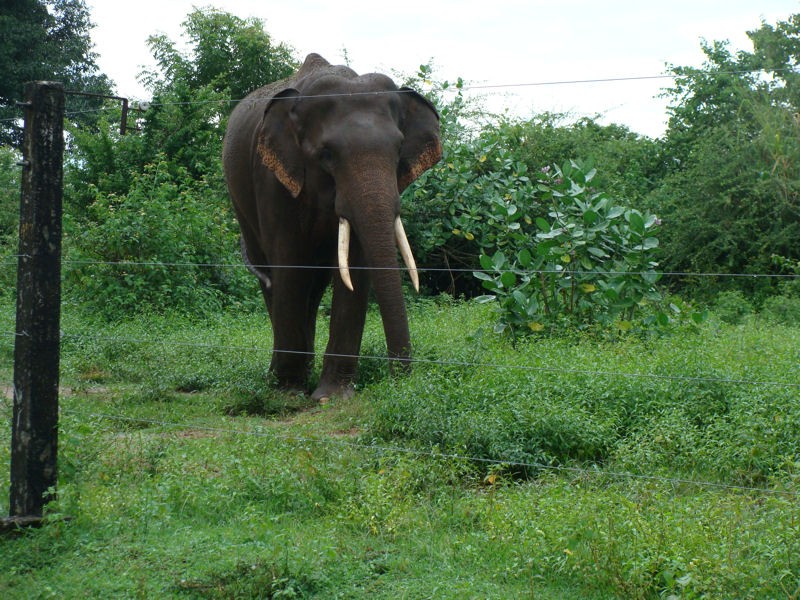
<point x="315" y="165"/>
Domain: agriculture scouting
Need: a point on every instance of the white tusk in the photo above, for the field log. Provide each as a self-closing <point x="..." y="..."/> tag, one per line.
<point x="344" y="251"/>
<point x="405" y="252"/>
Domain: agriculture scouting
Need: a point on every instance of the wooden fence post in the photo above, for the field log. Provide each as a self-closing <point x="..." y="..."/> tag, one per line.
<point x="34" y="441"/>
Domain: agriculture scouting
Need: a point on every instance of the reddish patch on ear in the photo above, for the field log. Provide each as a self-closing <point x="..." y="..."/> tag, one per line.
<point x="270" y="160"/>
<point x="426" y="159"/>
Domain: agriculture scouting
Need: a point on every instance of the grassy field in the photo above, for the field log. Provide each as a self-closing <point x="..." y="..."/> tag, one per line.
<point x="564" y="467"/>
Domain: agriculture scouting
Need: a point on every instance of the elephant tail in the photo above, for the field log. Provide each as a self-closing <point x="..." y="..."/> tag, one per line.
<point x="259" y="271"/>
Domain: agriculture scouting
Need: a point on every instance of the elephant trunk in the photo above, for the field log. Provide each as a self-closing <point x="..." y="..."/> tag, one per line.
<point x="385" y="275"/>
<point x="380" y="235"/>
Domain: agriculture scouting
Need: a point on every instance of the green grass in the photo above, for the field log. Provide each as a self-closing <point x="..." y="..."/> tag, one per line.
<point x="186" y="476"/>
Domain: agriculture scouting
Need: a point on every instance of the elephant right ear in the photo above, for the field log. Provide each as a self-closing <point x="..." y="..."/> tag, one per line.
<point x="278" y="145"/>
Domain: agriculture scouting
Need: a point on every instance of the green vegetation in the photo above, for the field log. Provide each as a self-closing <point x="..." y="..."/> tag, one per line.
<point x="587" y="261"/>
<point x="722" y="183"/>
<point x="158" y="197"/>
<point x="185" y="475"/>
<point x="47" y="40"/>
<point x="460" y="208"/>
<point x="731" y="189"/>
<point x="636" y="436"/>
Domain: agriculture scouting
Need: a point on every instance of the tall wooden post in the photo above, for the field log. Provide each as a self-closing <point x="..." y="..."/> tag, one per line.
<point x="34" y="440"/>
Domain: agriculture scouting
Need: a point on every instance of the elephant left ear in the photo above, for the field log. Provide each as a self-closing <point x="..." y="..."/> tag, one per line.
<point x="421" y="147"/>
<point x="278" y="145"/>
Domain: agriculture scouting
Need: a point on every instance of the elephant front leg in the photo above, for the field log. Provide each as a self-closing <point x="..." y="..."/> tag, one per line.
<point x="293" y="332"/>
<point x="348" y="313"/>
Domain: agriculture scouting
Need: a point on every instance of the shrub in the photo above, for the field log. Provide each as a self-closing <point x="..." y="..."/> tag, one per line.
<point x="590" y="261"/>
<point x="731" y="307"/>
<point x="152" y="248"/>
<point x="782" y="310"/>
<point x="454" y="209"/>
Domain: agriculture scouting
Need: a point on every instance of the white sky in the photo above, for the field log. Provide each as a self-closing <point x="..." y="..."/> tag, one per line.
<point x="486" y="42"/>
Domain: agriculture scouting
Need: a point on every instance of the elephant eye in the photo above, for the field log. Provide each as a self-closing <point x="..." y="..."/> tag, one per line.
<point x="325" y="155"/>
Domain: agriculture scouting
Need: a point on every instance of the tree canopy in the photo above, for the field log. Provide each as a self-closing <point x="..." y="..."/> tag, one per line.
<point x="731" y="198"/>
<point x="44" y="40"/>
<point x="227" y="54"/>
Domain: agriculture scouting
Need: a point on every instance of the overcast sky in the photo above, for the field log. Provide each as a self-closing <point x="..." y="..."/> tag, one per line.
<point x="486" y="42"/>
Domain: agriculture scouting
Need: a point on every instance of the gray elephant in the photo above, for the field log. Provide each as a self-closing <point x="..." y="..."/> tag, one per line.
<point x="315" y="165"/>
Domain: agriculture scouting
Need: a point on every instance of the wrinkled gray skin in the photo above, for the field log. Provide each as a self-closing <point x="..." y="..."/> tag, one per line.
<point x="300" y="154"/>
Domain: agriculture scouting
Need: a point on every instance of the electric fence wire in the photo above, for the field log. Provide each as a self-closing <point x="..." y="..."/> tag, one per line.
<point x="594" y="472"/>
<point x="459" y="364"/>
<point x="453" y="88"/>
<point x="130" y="263"/>
<point x="500" y="462"/>
<point x="531" y="466"/>
<point x="502" y="86"/>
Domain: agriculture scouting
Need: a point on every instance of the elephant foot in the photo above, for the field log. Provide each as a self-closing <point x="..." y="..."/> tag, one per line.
<point x="327" y="390"/>
<point x="291" y="385"/>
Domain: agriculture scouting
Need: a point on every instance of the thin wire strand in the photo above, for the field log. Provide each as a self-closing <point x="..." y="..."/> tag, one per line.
<point x="441" y="362"/>
<point x="125" y="263"/>
<point x="447" y="363"/>
<point x="455" y="88"/>
<point x="534" y="466"/>
<point x="432" y="362"/>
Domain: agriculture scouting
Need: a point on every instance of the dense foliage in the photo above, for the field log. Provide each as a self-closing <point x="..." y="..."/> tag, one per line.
<point x="46" y="40"/>
<point x="722" y="184"/>
<point x="731" y="198"/>
<point x="149" y="221"/>
<point x="454" y="207"/>
<point x="588" y="260"/>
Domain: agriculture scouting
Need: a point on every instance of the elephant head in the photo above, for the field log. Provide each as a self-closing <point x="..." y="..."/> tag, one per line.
<point x="343" y="147"/>
<point x="300" y="134"/>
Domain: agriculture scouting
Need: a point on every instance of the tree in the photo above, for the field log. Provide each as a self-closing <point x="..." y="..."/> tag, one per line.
<point x="45" y="40"/>
<point x="731" y="198"/>
<point x="228" y="54"/>
<point x="193" y="93"/>
<point x="157" y="196"/>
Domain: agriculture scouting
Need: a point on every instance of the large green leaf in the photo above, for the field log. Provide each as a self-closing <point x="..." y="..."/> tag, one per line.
<point x="636" y="221"/>
<point x="524" y="257"/>
<point x="508" y="279"/>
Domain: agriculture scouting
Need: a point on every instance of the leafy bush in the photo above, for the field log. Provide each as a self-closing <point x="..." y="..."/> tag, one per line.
<point x="782" y="310"/>
<point x="151" y="248"/>
<point x="591" y="261"/>
<point x="732" y="306"/>
<point x="490" y="166"/>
